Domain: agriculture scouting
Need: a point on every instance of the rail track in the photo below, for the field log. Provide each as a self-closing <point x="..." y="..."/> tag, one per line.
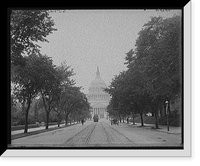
<point x="98" y="134"/>
<point x="116" y="137"/>
<point x="82" y="137"/>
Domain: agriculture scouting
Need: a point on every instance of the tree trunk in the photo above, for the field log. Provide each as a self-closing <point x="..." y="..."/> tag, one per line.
<point x="47" y="120"/>
<point x="120" y="119"/>
<point x="156" y="119"/>
<point x="133" y="116"/>
<point x="46" y="110"/>
<point x="66" y="120"/>
<point x="70" y="120"/>
<point x="58" y="119"/>
<point x="36" y="112"/>
<point x="26" y="122"/>
<point x="58" y="123"/>
<point x="141" y="116"/>
<point x="74" y="119"/>
<point x="127" y="120"/>
<point x="26" y="118"/>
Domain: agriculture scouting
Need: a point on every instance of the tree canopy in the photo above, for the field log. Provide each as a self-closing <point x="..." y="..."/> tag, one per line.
<point x="154" y="68"/>
<point x="34" y="75"/>
<point x="27" y="27"/>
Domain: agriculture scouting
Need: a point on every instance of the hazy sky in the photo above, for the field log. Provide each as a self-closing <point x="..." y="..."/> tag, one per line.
<point x="90" y="38"/>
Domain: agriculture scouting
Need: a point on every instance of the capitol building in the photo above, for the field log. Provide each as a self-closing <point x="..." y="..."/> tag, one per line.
<point x="97" y="97"/>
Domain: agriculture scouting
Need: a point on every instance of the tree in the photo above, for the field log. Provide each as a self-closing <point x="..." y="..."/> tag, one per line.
<point x="158" y="58"/>
<point x="159" y="52"/>
<point x="154" y="70"/>
<point x="26" y="84"/>
<point x="121" y="104"/>
<point x="82" y="108"/>
<point x="74" y="100"/>
<point x="26" y="28"/>
<point x="65" y="82"/>
<point x="49" y="82"/>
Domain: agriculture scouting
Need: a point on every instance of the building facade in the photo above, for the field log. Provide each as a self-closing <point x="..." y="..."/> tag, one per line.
<point x="97" y="97"/>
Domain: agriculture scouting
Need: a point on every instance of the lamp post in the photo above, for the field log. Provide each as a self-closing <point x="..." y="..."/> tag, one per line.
<point x="167" y="112"/>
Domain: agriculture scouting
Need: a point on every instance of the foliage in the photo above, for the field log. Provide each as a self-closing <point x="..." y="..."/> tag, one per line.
<point x="54" y="87"/>
<point x="74" y="101"/>
<point x="26" y="28"/>
<point x="34" y="75"/>
<point x="26" y="83"/>
<point x="154" y="70"/>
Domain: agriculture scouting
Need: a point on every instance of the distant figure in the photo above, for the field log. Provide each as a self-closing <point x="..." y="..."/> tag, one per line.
<point x="82" y="121"/>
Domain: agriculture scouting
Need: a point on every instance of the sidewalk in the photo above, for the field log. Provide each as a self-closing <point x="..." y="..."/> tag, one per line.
<point x="33" y="129"/>
<point x="162" y="128"/>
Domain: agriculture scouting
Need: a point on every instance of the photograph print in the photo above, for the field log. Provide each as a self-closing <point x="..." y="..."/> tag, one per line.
<point x="96" y="79"/>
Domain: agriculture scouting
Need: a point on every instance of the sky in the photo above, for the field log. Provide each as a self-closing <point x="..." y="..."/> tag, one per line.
<point x="86" y="39"/>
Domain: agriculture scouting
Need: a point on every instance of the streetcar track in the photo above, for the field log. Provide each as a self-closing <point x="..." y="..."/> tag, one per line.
<point x="88" y="128"/>
<point x="108" y="136"/>
<point x="69" y="139"/>
<point x="120" y="134"/>
<point x="84" y="136"/>
<point x="90" y="135"/>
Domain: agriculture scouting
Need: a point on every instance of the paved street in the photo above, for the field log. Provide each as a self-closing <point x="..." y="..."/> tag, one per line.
<point x="102" y="134"/>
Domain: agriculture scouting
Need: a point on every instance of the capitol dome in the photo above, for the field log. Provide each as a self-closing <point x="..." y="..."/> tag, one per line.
<point x="97" y="85"/>
<point x="98" y="82"/>
<point x="97" y="97"/>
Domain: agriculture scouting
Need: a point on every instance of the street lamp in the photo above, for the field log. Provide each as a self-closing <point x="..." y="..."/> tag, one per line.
<point x="167" y="112"/>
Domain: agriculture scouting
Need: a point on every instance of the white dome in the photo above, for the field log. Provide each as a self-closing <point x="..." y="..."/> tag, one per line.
<point x="98" y="83"/>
